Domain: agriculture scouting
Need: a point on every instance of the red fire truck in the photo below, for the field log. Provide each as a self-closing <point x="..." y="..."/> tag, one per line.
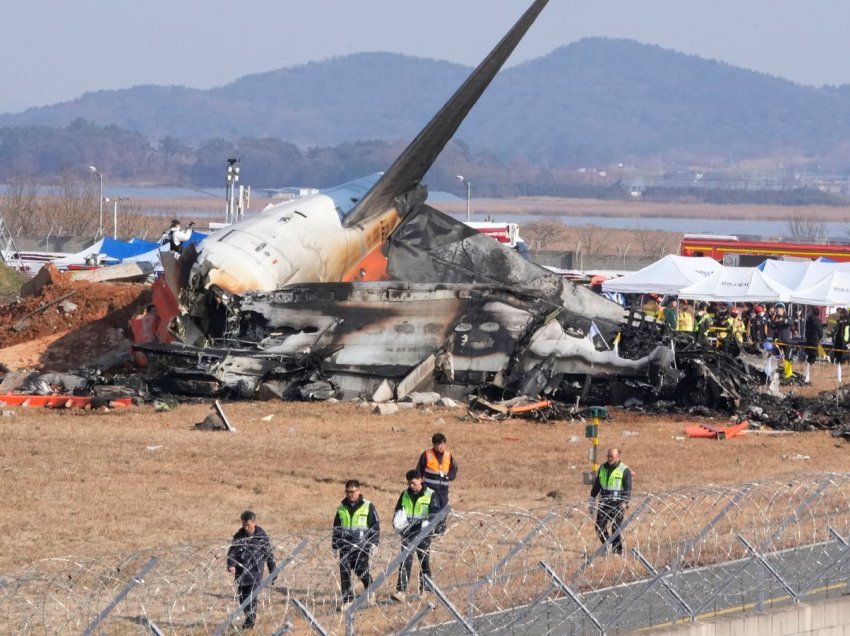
<point x="507" y="233"/>
<point x="747" y="252"/>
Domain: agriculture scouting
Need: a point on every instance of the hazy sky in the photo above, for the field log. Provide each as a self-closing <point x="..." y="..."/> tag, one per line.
<point x="55" y="50"/>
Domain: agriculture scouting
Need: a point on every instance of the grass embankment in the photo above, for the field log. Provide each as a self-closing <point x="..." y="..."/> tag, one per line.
<point x="10" y="281"/>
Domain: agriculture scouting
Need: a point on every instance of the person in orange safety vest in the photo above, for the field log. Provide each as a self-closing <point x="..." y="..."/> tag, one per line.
<point x="438" y="467"/>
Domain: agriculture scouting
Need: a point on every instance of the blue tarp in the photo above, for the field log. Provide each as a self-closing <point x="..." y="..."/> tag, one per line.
<point x="122" y="249"/>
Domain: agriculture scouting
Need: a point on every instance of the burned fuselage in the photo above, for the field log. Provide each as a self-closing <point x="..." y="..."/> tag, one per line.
<point x="425" y="300"/>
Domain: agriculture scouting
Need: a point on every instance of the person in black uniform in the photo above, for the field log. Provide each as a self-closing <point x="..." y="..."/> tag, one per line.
<point x="613" y="485"/>
<point x="249" y="551"/>
<point x="356" y="533"/>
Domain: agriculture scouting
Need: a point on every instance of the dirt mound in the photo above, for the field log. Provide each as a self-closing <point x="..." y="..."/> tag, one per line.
<point x="62" y="336"/>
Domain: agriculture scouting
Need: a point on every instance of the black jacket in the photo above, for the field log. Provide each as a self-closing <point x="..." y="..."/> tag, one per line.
<point x="814" y="330"/>
<point x="344" y="541"/>
<point x="248" y="553"/>
<point x="450" y="476"/>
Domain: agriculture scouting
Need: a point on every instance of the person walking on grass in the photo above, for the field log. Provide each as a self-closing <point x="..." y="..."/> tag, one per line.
<point x="438" y="467"/>
<point x="356" y="533"/>
<point x="249" y="551"/>
<point x="613" y="485"/>
<point x="413" y="511"/>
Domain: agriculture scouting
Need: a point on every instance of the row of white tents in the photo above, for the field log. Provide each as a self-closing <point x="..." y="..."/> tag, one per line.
<point x="704" y="279"/>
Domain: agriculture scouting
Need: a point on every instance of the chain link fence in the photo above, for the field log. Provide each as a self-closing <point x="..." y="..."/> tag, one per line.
<point x="689" y="554"/>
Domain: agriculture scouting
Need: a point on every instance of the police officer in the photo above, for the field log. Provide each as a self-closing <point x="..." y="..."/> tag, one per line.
<point x="356" y="533"/>
<point x="249" y="551"/>
<point x="614" y="486"/>
<point x="413" y="511"/>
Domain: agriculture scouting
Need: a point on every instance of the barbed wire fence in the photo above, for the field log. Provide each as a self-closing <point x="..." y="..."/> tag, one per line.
<point x="690" y="553"/>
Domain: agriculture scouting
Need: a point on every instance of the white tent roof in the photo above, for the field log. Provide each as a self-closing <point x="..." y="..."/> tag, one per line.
<point x="737" y="284"/>
<point x="666" y="276"/>
<point x="788" y="273"/>
<point x="833" y="289"/>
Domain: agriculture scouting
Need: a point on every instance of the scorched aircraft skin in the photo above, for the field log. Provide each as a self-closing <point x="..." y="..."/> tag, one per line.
<point x="365" y="290"/>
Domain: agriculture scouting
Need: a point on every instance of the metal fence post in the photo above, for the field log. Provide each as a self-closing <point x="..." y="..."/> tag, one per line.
<point x="769" y="568"/>
<point x="423" y="534"/>
<point x="814" y="578"/>
<point x="134" y="581"/>
<point x="447" y="603"/>
<point x="256" y="591"/>
<point x="510" y="555"/>
<point x="429" y="607"/>
<point x="315" y="625"/>
<point x="573" y="596"/>
<point x="679" y="599"/>
<point x="701" y="534"/>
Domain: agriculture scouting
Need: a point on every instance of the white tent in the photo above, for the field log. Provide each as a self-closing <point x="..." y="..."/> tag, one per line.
<point x="666" y="276"/>
<point x="801" y="274"/>
<point x="833" y="289"/>
<point x="737" y="284"/>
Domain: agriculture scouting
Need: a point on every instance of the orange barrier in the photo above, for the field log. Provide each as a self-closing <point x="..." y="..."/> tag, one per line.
<point x="59" y="401"/>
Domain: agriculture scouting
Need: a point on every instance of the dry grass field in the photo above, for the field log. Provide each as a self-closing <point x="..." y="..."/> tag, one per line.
<point x="90" y="483"/>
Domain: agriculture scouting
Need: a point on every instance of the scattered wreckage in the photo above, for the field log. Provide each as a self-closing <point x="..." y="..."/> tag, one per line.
<point x="366" y="291"/>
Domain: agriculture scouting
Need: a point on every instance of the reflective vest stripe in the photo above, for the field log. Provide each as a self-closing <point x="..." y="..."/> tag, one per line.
<point x="423" y="504"/>
<point x="433" y="468"/>
<point x="612" y="481"/>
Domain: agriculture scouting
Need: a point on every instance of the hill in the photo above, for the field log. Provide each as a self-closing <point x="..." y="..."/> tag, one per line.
<point x="595" y="100"/>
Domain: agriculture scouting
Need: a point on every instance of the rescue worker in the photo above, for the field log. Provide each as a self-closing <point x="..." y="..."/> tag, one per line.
<point x="248" y="552"/>
<point x="413" y="511"/>
<point x="175" y="236"/>
<point x="814" y="334"/>
<point x="840" y="336"/>
<point x="438" y="467"/>
<point x="735" y="326"/>
<point x="686" y="319"/>
<point x="758" y="327"/>
<point x="356" y="533"/>
<point x="781" y="325"/>
<point x="671" y="314"/>
<point x="702" y="323"/>
<point x="613" y="485"/>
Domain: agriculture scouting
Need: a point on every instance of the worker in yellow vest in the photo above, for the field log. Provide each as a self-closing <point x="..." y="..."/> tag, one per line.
<point x="414" y="510"/>
<point x="613" y="485"/>
<point x="686" y="319"/>
<point x="355" y="536"/>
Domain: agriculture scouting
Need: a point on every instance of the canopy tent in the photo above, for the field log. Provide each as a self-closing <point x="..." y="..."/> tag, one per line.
<point x="833" y="289"/>
<point x="665" y="276"/>
<point x="737" y="284"/>
<point x="801" y="274"/>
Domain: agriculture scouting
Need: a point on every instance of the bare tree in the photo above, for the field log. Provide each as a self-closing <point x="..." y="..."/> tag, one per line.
<point x="802" y="228"/>
<point x="541" y="235"/>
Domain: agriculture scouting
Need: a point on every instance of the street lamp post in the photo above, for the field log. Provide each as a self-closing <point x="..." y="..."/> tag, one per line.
<point x="99" y="174"/>
<point x="468" y="192"/>
<point x="115" y="214"/>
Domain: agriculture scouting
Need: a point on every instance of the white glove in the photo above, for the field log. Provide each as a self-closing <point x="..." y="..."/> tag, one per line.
<point x="400" y="520"/>
<point x="426" y="523"/>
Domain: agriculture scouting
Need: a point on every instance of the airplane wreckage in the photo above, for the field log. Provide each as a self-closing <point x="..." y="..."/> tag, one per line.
<point x="365" y="290"/>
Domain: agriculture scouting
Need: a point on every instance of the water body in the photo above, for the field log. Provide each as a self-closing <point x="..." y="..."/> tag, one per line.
<point x="667" y="224"/>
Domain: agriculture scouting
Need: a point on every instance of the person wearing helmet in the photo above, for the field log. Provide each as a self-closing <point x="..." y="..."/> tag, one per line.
<point x="735" y="326"/>
<point x="758" y="327"/>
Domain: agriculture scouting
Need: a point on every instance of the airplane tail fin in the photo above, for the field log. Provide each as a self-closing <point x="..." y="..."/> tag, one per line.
<point x="417" y="158"/>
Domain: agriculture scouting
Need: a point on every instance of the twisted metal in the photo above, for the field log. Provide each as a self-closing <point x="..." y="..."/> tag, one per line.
<point x="689" y="553"/>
